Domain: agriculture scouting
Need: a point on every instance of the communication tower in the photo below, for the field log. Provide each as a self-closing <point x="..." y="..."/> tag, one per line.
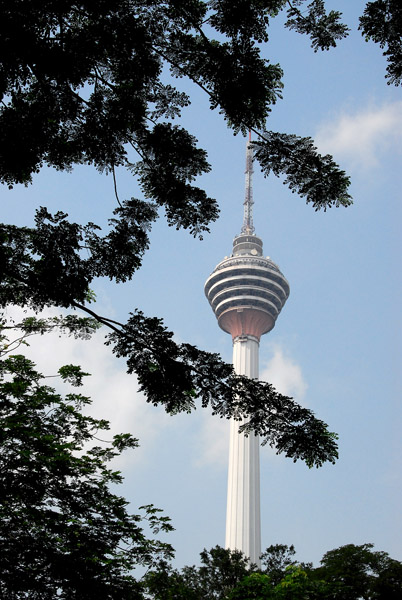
<point x="246" y="292"/>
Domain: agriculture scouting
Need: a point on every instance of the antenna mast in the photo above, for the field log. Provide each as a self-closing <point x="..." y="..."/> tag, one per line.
<point x="248" y="227"/>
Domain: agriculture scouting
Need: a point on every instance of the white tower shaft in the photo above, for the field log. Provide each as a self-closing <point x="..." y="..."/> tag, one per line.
<point x="243" y="521"/>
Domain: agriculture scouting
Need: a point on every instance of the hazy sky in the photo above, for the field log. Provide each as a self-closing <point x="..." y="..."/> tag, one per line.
<point x="336" y="345"/>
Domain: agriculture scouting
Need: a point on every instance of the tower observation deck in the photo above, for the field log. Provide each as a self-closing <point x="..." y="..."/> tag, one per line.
<point x="246" y="292"/>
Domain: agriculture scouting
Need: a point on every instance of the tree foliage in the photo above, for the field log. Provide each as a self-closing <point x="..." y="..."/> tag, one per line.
<point x="325" y="29"/>
<point x="314" y="177"/>
<point x="221" y="570"/>
<point x="360" y="572"/>
<point x="96" y="83"/>
<point x="91" y="86"/>
<point x="347" y="573"/>
<point x="63" y="533"/>
<point x="382" y="23"/>
<point x="275" y="559"/>
<point x="175" y="375"/>
<point x="88" y="84"/>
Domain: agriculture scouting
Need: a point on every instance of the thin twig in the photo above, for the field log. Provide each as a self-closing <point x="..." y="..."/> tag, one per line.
<point x="115" y="186"/>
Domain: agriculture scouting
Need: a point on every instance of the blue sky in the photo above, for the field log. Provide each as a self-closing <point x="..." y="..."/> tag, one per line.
<point x="336" y="346"/>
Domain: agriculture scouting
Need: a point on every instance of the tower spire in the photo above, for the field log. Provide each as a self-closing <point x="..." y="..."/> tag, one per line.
<point x="248" y="227"/>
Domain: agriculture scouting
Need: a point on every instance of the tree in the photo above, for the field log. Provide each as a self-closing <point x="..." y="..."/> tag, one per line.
<point x="347" y="573"/>
<point x="297" y="584"/>
<point x="63" y="533"/>
<point x="255" y="586"/>
<point x="88" y="86"/>
<point x="220" y="572"/>
<point x="117" y="50"/>
<point x="388" y="584"/>
<point x="275" y="560"/>
<point x="382" y="23"/>
<point x="360" y="572"/>
<point x="166" y="583"/>
<point x="221" y="569"/>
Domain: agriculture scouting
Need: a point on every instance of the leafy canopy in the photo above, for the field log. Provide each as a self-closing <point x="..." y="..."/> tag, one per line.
<point x="96" y="83"/>
<point x="381" y="22"/>
<point x="347" y="573"/>
<point x="90" y="85"/>
<point x="63" y="532"/>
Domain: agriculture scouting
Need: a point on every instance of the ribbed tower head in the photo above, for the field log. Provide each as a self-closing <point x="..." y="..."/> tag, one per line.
<point x="247" y="291"/>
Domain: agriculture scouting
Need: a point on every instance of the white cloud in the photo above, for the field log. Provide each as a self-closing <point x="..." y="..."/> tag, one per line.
<point x="285" y="375"/>
<point x="363" y="136"/>
<point x="287" y="378"/>
<point x="114" y="394"/>
<point x="213" y="442"/>
<point x="115" y="397"/>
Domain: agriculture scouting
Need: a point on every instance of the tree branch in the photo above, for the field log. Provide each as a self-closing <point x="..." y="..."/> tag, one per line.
<point x="99" y="318"/>
<point x="115" y="186"/>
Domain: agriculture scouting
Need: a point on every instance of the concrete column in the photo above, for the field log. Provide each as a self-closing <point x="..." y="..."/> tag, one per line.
<point x="243" y="522"/>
